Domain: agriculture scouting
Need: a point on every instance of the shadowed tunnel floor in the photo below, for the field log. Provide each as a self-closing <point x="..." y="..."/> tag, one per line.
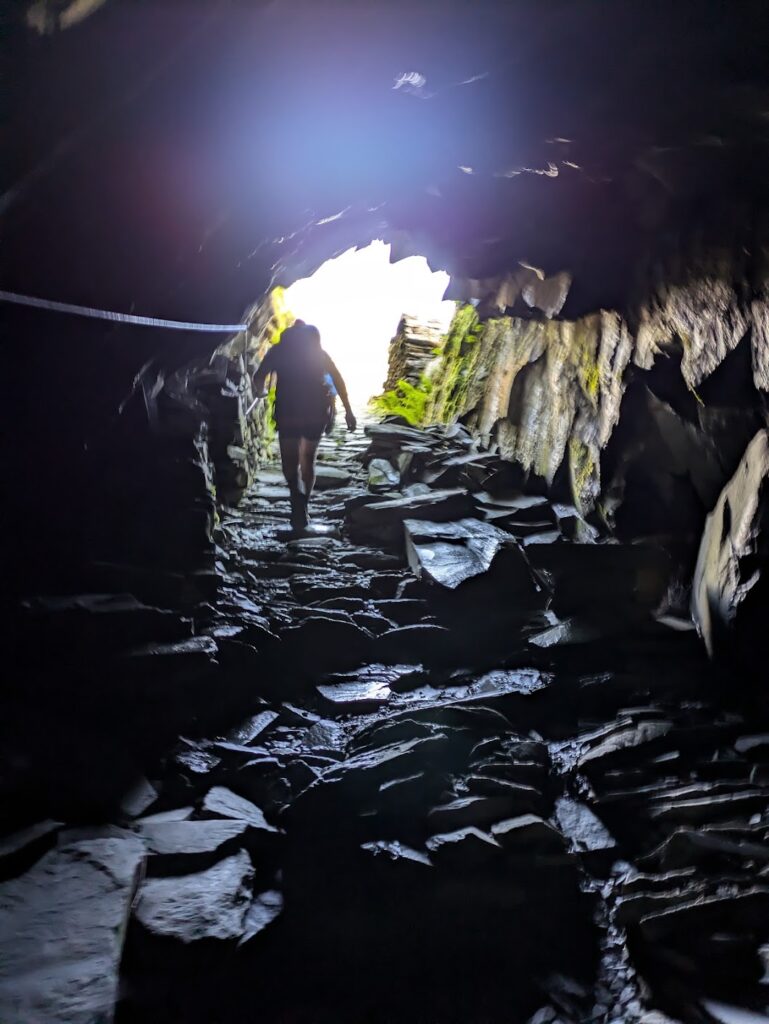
<point x="372" y="796"/>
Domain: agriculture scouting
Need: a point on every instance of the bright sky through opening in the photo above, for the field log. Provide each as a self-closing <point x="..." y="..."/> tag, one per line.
<point x="356" y="302"/>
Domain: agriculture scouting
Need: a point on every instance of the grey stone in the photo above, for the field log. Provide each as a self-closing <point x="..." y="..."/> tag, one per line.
<point x="252" y="727"/>
<point x="464" y="847"/>
<point x="136" y="801"/>
<point x="623" y="737"/>
<point x="471" y="811"/>
<point x="383" y="519"/>
<point x="175" y="814"/>
<point x="382" y="475"/>
<point x="528" y="832"/>
<point x="210" y="904"/>
<point x="17" y="841"/>
<point x="187" y="838"/>
<point x="263" y="911"/>
<point x="330" y="477"/>
<point x="62" y="927"/>
<point x="450" y="553"/>
<point x="578" y="823"/>
<point x="733" y="550"/>
<point x="221" y="802"/>
<point x="394" y="850"/>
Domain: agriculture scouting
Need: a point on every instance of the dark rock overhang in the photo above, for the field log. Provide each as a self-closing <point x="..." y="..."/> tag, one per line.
<point x="175" y="160"/>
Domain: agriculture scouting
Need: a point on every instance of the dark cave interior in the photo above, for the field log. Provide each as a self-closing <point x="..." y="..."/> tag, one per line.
<point x="488" y="742"/>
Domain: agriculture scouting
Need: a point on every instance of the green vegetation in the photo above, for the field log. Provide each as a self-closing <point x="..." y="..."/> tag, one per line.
<point x="282" y="317"/>
<point x="438" y="399"/>
<point x="459" y="355"/>
<point x="582" y="467"/>
<point x="406" y="400"/>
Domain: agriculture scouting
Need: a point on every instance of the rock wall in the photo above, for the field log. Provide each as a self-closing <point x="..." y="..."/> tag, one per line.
<point x="548" y="392"/>
<point x="412" y="349"/>
<point x="184" y="445"/>
<point x="640" y="414"/>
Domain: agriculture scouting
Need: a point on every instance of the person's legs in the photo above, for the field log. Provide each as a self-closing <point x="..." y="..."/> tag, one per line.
<point x="289" y="458"/>
<point x="308" y="446"/>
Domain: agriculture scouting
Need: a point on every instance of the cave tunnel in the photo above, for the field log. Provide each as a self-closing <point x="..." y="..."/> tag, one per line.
<point x="484" y="738"/>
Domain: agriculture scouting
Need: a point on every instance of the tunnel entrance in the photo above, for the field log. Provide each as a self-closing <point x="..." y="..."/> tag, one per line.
<point x="357" y="300"/>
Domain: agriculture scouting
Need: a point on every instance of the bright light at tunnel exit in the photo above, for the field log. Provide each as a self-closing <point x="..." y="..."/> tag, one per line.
<point x="356" y="301"/>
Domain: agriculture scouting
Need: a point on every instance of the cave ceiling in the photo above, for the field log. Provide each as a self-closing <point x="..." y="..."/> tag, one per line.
<point x="177" y="159"/>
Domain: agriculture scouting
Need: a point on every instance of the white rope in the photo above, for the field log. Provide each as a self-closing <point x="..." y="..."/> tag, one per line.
<point x="121" y="318"/>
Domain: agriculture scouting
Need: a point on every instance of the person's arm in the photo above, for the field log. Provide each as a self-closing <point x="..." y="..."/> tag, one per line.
<point x="266" y="366"/>
<point x="341" y="389"/>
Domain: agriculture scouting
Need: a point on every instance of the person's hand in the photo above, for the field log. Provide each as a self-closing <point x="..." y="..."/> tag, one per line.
<point x="352" y="423"/>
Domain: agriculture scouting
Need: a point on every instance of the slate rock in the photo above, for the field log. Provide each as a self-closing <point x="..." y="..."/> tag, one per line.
<point x="221" y="802"/>
<point x="376" y="624"/>
<point x="169" y="664"/>
<point x="395" y="851"/>
<point x="62" y="927"/>
<point x="330" y="477"/>
<point x="729" y="584"/>
<point x="210" y="904"/>
<point x="471" y="811"/>
<point x="325" y="735"/>
<point x="382" y="475"/>
<point x="326" y="644"/>
<point x="252" y="727"/>
<point x="395" y="760"/>
<point x="136" y="801"/>
<point x="16" y="842"/>
<point x="383" y="519"/>
<point x="463" y="848"/>
<point x="420" y="643"/>
<point x="263" y="911"/>
<point x="528" y="833"/>
<point x="187" y="839"/>
<point x="581" y="827"/>
<point x="450" y="553"/>
<point x="404" y="611"/>
<point x="623" y="738"/>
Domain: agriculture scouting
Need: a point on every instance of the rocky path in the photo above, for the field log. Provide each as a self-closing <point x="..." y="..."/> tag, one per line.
<point x="465" y="766"/>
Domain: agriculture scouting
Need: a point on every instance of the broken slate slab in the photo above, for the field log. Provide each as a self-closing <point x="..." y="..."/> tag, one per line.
<point x="466" y="847"/>
<point x="356" y="695"/>
<point x="450" y="553"/>
<point x="248" y="730"/>
<point x="265" y="908"/>
<point x="420" y="643"/>
<point x="382" y="475"/>
<point x="329" y="478"/>
<point x="138" y="798"/>
<point x="62" y="927"/>
<point x="221" y="802"/>
<point x="383" y="519"/>
<point x="472" y="811"/>
<point x="210" y="904"/>
<point x="528" y="833"/>
<point x="188" y="838"/>
<point x="581" y="827"/>
<point x="396" y="851"/>
<point x="625" y="738"/>
<point x="16" y="842"/>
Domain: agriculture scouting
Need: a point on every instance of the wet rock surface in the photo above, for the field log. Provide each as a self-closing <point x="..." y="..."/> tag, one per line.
<point x="440" y="758"/>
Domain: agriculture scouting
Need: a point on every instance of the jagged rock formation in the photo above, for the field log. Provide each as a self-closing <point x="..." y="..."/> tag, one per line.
<point x="412" y="349"/>
<point x="468" y="722"/>
<point x="547" y="392"/>
<point x="729" y="588"/>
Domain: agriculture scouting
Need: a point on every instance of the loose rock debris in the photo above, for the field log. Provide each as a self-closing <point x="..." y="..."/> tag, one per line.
<point x="439" y="759"/>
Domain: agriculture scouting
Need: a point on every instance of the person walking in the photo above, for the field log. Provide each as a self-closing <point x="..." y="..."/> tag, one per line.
<point x="303" y="407"/>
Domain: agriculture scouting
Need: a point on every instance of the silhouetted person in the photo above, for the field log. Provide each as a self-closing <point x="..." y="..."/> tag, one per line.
<point x="303" y="407"/>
